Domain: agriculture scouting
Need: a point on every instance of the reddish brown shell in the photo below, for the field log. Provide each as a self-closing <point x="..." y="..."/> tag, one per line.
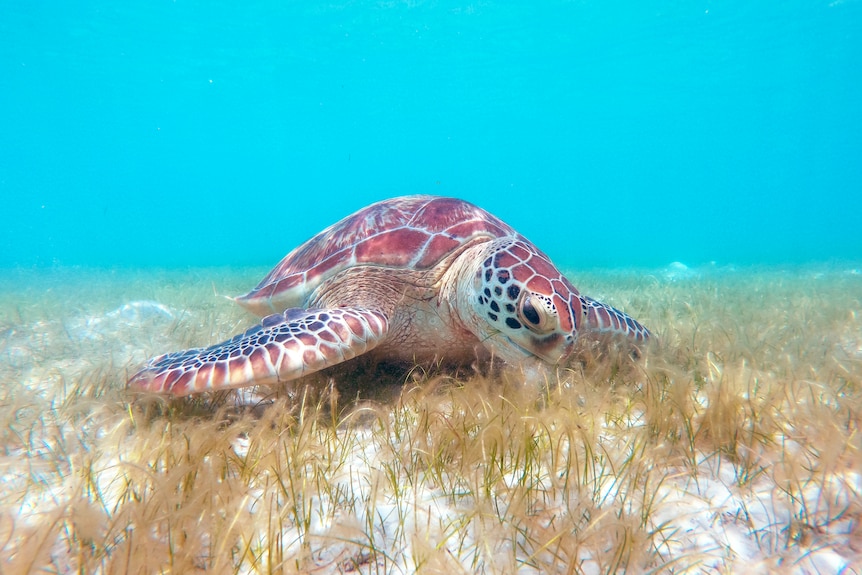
<point x="411" y="232"/>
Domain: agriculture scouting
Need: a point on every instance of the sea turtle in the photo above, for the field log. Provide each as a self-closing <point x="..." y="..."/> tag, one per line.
<point x="412" y="279"/>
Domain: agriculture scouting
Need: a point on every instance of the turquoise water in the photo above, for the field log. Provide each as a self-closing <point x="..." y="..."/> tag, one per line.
<point x="159" y="133"/>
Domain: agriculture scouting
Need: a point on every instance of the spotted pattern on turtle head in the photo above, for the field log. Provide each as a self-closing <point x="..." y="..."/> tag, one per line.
<point x="523" y="296"/>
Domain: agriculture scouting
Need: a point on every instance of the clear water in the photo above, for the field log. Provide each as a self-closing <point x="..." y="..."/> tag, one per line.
<point x="611" y="133"/>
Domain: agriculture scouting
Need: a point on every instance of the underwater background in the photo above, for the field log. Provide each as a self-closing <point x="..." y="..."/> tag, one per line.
<point x="696" y="164"/>
<point x="611" y="133"/>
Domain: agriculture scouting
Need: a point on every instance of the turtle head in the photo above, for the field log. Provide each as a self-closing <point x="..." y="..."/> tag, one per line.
<point x="522" y="304"/>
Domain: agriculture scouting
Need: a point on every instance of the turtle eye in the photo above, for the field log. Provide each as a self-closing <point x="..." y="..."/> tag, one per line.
<point x="534" y="315"/>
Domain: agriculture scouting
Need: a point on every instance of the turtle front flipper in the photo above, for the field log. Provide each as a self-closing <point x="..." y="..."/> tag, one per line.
<point x="604" y="318"/>
<point x="282" y="347"/>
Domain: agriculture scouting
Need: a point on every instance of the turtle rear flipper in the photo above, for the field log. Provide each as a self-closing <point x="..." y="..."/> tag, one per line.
<point x="281" y="348"/>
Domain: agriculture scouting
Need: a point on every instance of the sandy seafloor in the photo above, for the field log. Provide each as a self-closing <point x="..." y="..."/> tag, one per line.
<point x="69" y="338"/>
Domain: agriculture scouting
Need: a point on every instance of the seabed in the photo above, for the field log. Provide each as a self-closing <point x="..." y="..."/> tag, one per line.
<point x="732" y="445"/>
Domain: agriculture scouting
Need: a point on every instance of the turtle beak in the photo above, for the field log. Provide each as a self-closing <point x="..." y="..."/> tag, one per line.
<point x="547" y="348"/>
<point x="555" y="348"/>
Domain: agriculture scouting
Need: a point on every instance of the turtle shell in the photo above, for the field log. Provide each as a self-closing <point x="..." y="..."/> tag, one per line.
<point x="411" y="232"/>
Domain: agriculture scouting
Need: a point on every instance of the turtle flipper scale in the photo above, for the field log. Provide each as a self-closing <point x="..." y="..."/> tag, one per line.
<point x="281" y="348"/>
<point x="604" y="318"/>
